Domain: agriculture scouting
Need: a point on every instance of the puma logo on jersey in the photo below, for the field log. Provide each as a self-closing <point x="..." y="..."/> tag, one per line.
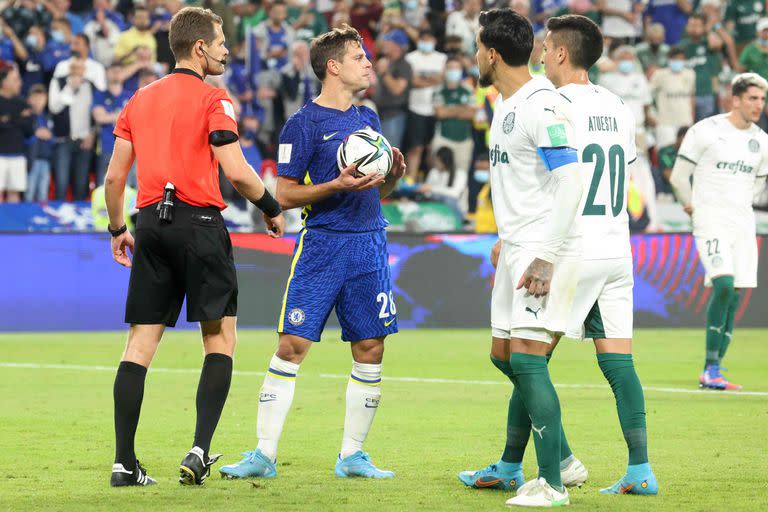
<point x="547" y="109"/>
<point x="534" y="313"/>
<point x="539" y="430"/>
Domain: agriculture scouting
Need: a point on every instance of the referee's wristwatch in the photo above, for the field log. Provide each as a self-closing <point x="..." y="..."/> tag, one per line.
<point x="117" y="232"/>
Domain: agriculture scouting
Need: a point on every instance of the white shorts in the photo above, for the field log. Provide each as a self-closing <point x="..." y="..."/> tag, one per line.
<point x="603" y="304"/>
<point x="518" y="314"/>
<point x="728" y="253"/>
<point x="13" y="173"/>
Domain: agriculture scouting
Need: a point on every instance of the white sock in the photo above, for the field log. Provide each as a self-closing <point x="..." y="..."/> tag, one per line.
<point x="274" y="402"/>
<point x="363" y="395"/>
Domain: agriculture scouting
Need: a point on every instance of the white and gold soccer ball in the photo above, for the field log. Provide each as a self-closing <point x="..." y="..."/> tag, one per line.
<point x="368" y="149"/>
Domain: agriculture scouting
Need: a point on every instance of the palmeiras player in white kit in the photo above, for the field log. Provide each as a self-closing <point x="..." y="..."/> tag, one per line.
<point x="605" y="136"/>
<point x="537" y="184"/>
<point x="340" y="260"/>
<point x="727" y="155"/>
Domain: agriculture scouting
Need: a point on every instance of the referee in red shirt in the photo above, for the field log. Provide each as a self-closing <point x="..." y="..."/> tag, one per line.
<point x="179" y="129"/>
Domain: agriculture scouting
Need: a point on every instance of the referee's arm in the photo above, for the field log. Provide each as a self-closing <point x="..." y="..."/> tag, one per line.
<point x="114" y="190"/>
<point x="245" y="180"/>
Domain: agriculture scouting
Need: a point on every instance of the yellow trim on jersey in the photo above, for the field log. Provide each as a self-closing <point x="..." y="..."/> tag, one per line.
<point x="281" y="324"/>
<point x="307" y="208"/>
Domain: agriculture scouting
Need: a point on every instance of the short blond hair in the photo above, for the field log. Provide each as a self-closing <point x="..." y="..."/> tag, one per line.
<point x="744" y="81"/>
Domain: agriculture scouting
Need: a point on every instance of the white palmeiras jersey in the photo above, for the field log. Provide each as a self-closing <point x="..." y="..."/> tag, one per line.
<point x="525" y="127"/>
<point x="728" y="160"/>
<point x="604" y="129"/>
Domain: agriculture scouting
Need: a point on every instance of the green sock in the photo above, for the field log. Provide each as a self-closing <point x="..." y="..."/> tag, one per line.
<point x="717" y="315"/>
<point x="539" y="397"/>
<point x="503" y="367"/>
<point x="728" y="331"/>
<point x="620" y="372"/>
<point x="519" y="429"/>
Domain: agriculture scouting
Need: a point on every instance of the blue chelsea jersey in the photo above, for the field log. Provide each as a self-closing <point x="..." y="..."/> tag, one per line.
<point x="307" y="152"/>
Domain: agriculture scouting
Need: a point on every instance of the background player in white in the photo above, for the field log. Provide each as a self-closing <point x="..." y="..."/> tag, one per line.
<point x="727" y="155"/>
<point x="537" y="185"/>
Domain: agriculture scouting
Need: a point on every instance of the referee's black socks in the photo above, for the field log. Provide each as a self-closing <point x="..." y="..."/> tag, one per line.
<point x="211" y="395"/>
<point x="128" y="393"/>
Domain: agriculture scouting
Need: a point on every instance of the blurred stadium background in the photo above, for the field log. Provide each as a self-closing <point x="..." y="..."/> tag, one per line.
<point x="61" y="291"/>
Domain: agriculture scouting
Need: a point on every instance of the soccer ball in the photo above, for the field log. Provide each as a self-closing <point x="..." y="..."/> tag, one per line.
<point x="368" y="149"/>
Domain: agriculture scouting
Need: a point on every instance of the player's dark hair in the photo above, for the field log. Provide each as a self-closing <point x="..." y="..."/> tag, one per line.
<point x="331" y="46"/>
<point x="676" y="51"/>
<point x="189" y="25"/>
<point x="509" y="33"/>
<point x="445" y="154"/>
<point x="580" y="35"/>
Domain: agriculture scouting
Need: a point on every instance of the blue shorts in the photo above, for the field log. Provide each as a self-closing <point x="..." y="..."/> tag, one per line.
<point x="348" y="271"/>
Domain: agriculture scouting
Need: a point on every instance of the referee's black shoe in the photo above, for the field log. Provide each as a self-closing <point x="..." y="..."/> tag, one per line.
<point x="121" y="477"/>
<point x="194" y="468"/>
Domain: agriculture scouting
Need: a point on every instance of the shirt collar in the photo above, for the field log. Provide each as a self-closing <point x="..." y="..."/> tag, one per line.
<point x="186" y="71"/>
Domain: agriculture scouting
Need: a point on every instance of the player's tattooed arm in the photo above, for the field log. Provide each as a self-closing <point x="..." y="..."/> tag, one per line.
<point x="395" y="173"/>
<point x="537" y="277"/>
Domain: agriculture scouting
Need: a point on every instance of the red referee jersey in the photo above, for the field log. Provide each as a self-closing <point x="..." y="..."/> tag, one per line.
<point x="168" y="123"/>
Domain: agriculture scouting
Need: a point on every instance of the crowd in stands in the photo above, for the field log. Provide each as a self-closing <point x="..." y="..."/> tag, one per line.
<point x="67" y="68"/>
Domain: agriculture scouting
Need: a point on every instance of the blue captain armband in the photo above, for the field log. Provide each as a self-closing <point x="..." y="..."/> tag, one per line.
<point x="554" y="158"/>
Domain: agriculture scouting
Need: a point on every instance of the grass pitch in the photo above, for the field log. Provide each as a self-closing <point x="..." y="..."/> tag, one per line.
<point x="708" y="449"/>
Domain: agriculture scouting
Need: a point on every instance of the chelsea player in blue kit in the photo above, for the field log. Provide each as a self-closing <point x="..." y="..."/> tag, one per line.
<point x="340" y="260"/>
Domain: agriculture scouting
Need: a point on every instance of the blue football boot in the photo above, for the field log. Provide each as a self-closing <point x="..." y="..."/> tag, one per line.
<point x="359" y="464"/>
<point x="254" y="464"/>
<point x="502" y="475"/>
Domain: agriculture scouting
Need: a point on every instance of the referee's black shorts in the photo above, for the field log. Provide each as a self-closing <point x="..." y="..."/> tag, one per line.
<point x="191" y="256"/>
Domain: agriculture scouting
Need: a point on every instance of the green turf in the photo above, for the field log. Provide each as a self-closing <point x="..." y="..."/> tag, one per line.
<point x="708" y="449"/>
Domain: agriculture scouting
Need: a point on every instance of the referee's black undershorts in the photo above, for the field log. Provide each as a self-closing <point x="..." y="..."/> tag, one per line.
<point x="191" y="256"/>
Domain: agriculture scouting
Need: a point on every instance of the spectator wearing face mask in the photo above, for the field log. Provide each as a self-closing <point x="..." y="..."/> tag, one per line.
<point x="754" y="57"/>
<point x="427" y="66"/>
<point x="57" y="48"/>
<point x="455" y="109"/>
<point x="32" y="68"/>
<point x="674" y="93"/>
<point x="629" y="83"/>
